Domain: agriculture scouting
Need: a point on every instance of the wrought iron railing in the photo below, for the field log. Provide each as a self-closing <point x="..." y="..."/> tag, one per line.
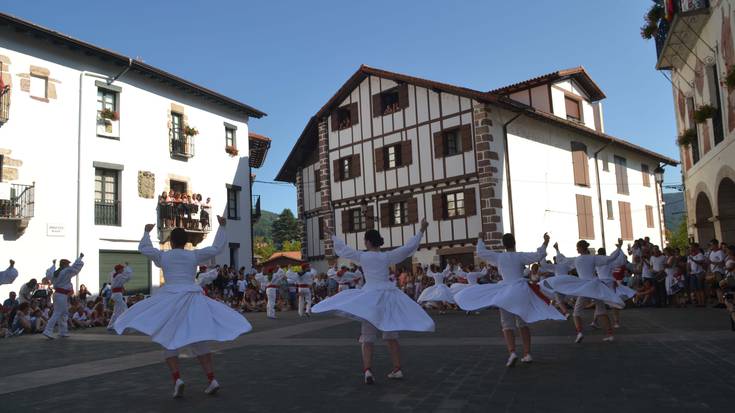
<point x="21" y="202"/>
<point x="106" y="212"/>
<point x="680" y="6"/>
<point x="181" y="146"/>
<point x="4" y="105"/>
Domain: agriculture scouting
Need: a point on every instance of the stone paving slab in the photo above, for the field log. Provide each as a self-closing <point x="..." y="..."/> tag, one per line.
<point x="671" y="360"/>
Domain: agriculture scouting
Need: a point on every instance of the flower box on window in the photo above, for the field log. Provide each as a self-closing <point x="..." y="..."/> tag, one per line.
<point x="231" y="150"/>
<point x="108" y="123"/>
<point x="190" y="131"/>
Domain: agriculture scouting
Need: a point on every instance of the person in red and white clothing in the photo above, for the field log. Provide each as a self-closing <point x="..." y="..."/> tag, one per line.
<point x="121" y="275"/>
<point x="63" y="289"/>
<point x="304" y="281"/>
<point x="271" y="290"/>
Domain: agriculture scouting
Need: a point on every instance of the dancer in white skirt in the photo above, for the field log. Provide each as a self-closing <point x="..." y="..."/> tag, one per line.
<point x="519" y="302"/>
<point x="179" y="315"/>
<point x="63" y="288"/>
<point x="439" y="292"/>
<point x="556" y="269"/>
<point x="471" y="277"/>
<point x="9" y="275"/>
<point x="605" y="274"/>
<point x="587" y="286"/>
<point x="121" y="275"/>
<point x="379" y="305"/>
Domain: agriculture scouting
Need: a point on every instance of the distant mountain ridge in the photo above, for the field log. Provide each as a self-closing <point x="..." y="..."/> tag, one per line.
<point x="264" y="226"/>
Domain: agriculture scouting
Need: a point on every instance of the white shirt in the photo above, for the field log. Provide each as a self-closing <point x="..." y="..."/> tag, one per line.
<point x="586" y="264"/>
<point x="242" y="285"/>
<point x="717" y="261"/>
<point x="657" y="263"/>
<point x="694" y="267"/>
<point x="510" y="264"/>
<point x="63" y="279"/>
<point x="605" y="272"/>
<point x="117" y="281"/>
<point x="207" y="277"/>
<point x="439" y="276"/>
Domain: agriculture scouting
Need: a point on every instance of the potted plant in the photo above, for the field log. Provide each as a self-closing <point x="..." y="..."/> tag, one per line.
<point x="231" y="150"/>
<point x="190" y="131"/>
<point x="730" y="78"/>
<point x="109" y="114"/>
<point x="687" y="137"/>
<point x="704" y="112"/>
<point x="652" y="19"/>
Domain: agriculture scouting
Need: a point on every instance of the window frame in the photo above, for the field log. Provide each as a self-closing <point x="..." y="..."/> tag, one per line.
<point x="100" y="173"/>
<point x="455" y="136"/>
<point x="231" y="141"/>
<point x="358" y="221"/>
<point x="45" y="86"/>
<point x="610" y="210"/>
<point x="399" y="210"/>
<point x="621" y="175"/>
<point x="397" y="161"/>
<point x="578" y="102"/>
<point x="345" y="165"/>
<point x="459" y="211"/>
<point x="233" y="202"/>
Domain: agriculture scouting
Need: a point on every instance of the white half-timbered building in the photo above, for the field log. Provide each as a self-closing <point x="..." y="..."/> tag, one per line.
<point x="88" y="141"/>
<point x="388" y="149"/>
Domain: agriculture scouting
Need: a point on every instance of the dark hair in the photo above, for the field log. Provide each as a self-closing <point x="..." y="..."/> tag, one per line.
<point x="509" y="241"/>
<point x="23" y="306"/>
<point x="373" y="236"/>
<point x="583" y="244"/>
<point x="601" y="251"/>
<point x="178" y="238"/>
<point x="714" y="241"/>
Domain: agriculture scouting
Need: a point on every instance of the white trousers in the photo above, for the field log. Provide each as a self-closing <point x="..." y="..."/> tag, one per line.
<point x="270" y="293"/>
<point x="60" y="315"/>
<point x="369" y="333"/>
<point x="198" y="349"/>
<point x="119" y="308"/>
<point x="304" y="298"/>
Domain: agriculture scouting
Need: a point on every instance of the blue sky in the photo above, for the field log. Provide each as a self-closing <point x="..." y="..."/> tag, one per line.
<point x="288" y="57"/>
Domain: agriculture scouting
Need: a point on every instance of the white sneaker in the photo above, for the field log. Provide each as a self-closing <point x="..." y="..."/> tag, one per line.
<point x="527" y="359"/>
<point x="212" y="388"/>
<point x="48" y="335"/>
<point x="594" y="325"/>
<point x="616" y="325"/>
<point x="609" y="339"/>
<point x="396" y="374"/>
<point x="511" y="360"/>
<point x="369" y="379"/>
<point x="579" y="338"/>
<point x="179" y="389"/>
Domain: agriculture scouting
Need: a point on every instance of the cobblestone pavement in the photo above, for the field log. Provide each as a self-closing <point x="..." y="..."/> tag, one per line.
<point x="662" y="360"/>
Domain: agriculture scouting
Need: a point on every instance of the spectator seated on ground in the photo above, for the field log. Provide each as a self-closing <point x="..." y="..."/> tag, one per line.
<point x="80" y="319"/>
<point x="645" y="296"/>
<point x="24" y="322"/>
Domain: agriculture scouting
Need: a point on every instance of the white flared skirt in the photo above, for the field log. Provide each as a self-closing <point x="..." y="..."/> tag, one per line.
<point x="438" y="292"/>
<point x="516" y="297"/>
<point x="457" y="287"/>
<point x="179" y="315"/>
<point x="387" y="308"/>
<point x="577" y="287"/>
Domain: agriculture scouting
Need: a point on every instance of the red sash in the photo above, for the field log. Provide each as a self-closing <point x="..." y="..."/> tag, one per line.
<point x="537" y="290"/>
<point x="118" y="290"/>
<point x="63" y="291"/>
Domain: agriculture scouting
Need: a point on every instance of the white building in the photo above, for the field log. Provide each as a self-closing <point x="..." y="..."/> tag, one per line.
<point x="388" y="149"/>
<point x="695" y="43"/>
<point x="73" y="182"/>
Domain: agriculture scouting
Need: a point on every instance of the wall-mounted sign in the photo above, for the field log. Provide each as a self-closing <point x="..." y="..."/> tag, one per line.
<point x="55" y="230"/>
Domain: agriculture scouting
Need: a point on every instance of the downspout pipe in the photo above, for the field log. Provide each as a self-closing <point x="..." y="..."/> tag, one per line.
<point x="599" y="192"/>
<point x="121" y="74"/>
<point x="659" y="187"/>
<point x="509" y="184"/>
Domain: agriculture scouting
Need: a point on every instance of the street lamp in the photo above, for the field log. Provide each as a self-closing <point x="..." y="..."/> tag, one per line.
<point x="658" y="174"/>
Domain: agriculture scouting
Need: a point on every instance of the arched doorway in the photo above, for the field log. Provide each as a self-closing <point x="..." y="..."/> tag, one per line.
<point x="726" y="209"/>
<point x="703" y="213"/>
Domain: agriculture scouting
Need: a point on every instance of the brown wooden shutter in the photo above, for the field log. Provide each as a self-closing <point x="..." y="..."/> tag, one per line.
<point x="621" y="175"/>
<point x="470" y="207"/>
<point x="379" y="160"/>
<point x="572" y="106"/>
<point x="437" y="206"/>
<point x="346" y="227"/>
<point x="581" y="224"/>
<point x="403" y="95"/>
<point x="320" y="223"/>
<point x="406" y="153"/>
<point x="465" y="132"/>
<point x="385" y="215"/>
<point x="335" y="120"/>
<point x="439" y="145"/>
<point x="377" y="105"/>
<point x="355" y="168"/>
<point x="626" y="222"/>
<point x="370" y="217"/>
<point x="354" y="114"/>
<point x="317" y="181"/>
<point x="649" y="216"/>
<point x="646" y="175"/>
<point x="580" y="164"/>
<point x="412" y="210"/>
<point x="337" y="170"/>
<point x="584" y="217"/>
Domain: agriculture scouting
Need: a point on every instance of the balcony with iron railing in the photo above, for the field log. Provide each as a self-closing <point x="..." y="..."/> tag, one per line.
<point x="107" y="212"/>
<point x="18" y="205"/>
<point x="677" y="36"/>
<point x="4" y="103"/>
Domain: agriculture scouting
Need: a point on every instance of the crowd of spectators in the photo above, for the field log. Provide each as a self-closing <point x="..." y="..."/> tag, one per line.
<point x="181" y="210"/>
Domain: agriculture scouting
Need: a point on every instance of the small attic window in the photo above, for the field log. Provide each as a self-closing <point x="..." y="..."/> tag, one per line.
<point x="345" y="117"/>
<point x="390" y="101"/>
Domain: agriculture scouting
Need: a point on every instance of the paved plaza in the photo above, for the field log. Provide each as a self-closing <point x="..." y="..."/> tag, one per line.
<point x="662" y="360"/>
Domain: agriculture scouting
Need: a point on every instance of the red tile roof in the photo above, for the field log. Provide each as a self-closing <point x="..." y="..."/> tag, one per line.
<point x="577" y="73"/>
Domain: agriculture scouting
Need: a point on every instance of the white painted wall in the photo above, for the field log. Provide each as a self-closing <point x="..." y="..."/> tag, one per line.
<point x="44" y="137"/>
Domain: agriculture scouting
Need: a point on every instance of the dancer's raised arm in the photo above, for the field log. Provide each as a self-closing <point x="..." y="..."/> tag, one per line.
<point x="9" y="275"/>
<point x="218" y="245"/>
<point x="604" y="260"/>
<point x="399" y="254"/>
<point x="539" y="255"/>
<point x="146" y="247"/>
<point x="490" y="257"/>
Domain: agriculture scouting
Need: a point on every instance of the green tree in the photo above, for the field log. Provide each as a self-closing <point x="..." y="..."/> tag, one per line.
<point x="291" y="245"/>
<point x="679" y="238"/>
<point x="285" y="228"/>
<point x="263" y="247"/>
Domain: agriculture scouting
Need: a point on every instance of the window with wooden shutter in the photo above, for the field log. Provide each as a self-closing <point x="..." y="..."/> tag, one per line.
<point x="390" y="101"/>
<point x="454" y="205"/>
<point x="580" y="164"/>
<point x="317" y="181"/>
<point x="465" y="133"/>
<point x="385" y="215"/>
<point x="439" y="145"/>
<point x="346" y="222"/>
<point x="399" y="213"/>
<point x="610" y="214"/>
<point x="646" y="175"/>
<point x="320" y="223"/>
<point x="345" y="117"/>
<point x="573" y="109"/>
<point x="470" y="203"/>
<point x="403" y="95"/>
<point x="355" y="167"/>
<point x="626" y="221"/>
<point x="437" y="207"/>
<point x="377" y="105"/>
<point x="621" y="175"/>
<point x="379" y="159"/>
<point x="412" y="211"/>
<point x="406" y="153"/>
<point x="585" y="217"/>
<point x="337" y="170"/>
<point x="392" y="156"/>
<point x="649" y="216"/>
<point x="369" y="217"/>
